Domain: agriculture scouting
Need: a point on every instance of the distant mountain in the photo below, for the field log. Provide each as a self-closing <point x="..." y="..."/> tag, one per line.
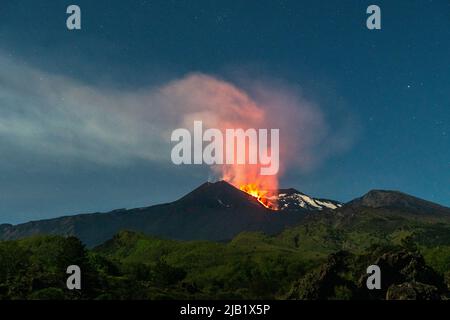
<point x="400" y="201"/>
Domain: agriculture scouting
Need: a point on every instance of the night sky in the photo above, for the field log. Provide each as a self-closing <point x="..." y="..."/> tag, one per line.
<point x="385" y="92"/>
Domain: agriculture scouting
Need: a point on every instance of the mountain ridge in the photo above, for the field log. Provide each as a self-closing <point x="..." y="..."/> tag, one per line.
<point x="378" y="198"/>
<point x="213" y="211"/>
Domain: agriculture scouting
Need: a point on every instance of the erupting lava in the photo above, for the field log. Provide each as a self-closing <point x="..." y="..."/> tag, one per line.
<point x="247" y="179"/>
<point x="260" y="195"/>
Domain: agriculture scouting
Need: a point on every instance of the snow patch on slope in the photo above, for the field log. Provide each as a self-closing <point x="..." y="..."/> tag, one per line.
<point x="294" y="200"/>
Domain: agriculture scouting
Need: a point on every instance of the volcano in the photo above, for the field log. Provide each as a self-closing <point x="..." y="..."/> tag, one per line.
<point x="213" y="211"/>
<point x="216" y="211"/>
<point x="219" y="195"/>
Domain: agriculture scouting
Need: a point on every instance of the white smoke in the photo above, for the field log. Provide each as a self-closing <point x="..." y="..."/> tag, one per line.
<point x="58" y="117"/>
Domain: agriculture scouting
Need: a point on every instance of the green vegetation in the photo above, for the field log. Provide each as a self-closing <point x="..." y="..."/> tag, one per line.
<point x="325" y="257"/>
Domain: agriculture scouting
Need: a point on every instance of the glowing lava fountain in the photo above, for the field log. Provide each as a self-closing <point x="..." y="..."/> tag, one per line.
<point x="260" y="195"/>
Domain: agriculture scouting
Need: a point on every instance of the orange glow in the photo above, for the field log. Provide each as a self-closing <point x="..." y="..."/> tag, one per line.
<point x="247" y="178"/>
<point x="260" y="195"/>
<point x="238" y="111"/>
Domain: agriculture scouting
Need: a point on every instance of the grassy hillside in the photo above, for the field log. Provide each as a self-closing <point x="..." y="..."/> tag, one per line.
<point x="325" y="257"/>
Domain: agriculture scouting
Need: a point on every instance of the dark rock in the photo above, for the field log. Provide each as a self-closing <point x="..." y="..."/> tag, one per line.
<point x="323" y="283"/>
<point x="412" y="291"/>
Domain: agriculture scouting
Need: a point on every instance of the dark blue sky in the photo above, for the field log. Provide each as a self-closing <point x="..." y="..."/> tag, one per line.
<point x="393" y="84"/>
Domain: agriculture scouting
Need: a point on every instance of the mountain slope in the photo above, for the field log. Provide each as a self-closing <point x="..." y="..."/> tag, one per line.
<point x="218" y="211"/>
<point x="213" y="211"/>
